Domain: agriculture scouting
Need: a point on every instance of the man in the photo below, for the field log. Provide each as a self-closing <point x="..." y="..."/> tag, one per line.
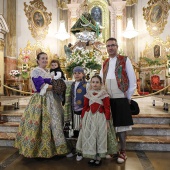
<point x="120" y="80"/>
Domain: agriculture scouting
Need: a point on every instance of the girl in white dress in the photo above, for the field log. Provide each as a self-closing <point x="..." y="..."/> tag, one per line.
<point x="92" y="140"/>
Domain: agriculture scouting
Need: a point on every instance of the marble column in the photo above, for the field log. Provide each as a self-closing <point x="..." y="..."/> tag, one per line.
<point x="118" y="7"/>
<point x="73" y="8"/>
<point x="3" y="31"/>
<point x="112" y="22"/>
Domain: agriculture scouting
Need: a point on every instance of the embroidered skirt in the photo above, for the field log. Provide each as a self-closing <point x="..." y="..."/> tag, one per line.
<point x="93" y="138"/>
<point x="41" y="128"/>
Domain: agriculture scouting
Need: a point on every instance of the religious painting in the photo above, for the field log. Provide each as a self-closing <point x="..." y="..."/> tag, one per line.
<point x="100" y="13"/>
<point x="96" y="14"/>
<point x="157" y="51"/>
<point x="38" y="19"/>
<point x="156" y="15"/>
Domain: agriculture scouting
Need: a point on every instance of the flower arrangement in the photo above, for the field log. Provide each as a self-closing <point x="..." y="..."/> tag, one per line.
<point x="25" y="71"/>
<point x="89" y="60"/>
<point x="14" y="73"/>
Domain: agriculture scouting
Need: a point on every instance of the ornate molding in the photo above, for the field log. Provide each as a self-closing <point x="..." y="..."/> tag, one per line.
<point x="105" y="16"/>
<point x="2" y="45"/>
<point x="164" y="47"/>
<point x="156" y="15"/>
<point x="28" y="54"/>
<point x="38" y="19"/>
<point x="131" y="2"/>
<point x="3" y="27"/>
<point x="119" y="17"/>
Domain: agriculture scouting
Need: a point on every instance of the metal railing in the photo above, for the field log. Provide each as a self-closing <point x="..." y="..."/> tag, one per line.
<point x="134" y="97"/>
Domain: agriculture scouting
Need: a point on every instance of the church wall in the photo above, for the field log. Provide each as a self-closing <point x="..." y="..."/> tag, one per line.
<point x="24" y="34"/>
<point x="144" y="36"/>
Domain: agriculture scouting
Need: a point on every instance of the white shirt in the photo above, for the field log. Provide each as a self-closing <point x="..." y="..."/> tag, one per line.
<point x="130" y="73"/>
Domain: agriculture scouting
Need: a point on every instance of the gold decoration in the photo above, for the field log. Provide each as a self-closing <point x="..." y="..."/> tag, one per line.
<point x="62" y="4"/>
<point x="79" y="102"/>
<point x="38" y="19"/>
<point x="119" y="17"/>
<point x="105" y="15"/>
<point x="131" y="2"/>
<point x="79" y="90"/>
<point x="29" y="53"/>
<point x="149" y="52"/>
<point x="156" y="15"/>
<point x="2" y="45"/>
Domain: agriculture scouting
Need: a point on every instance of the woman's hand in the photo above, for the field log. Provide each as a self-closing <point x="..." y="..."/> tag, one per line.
<point x="49" y="87"/>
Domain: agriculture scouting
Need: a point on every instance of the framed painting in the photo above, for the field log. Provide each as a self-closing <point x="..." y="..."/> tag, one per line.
<point x="38" y="19"/>
<point x="157" y="51"/>
<point x="156" y="15"/>
<point x="96" y="13"/>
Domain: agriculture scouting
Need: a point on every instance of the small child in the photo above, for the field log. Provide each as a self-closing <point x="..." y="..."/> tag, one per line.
<point x="78" y="90"/>
<point x="58" y="78"/>
<point x="93" y="138"/>
<point x="56" y="71"/>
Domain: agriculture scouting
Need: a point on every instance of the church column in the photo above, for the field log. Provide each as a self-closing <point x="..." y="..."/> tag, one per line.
<point x="73" y="18"/>
<point x="3" y="31"/>
<point x="112" y="22"/>
<point x="118" y="7"/>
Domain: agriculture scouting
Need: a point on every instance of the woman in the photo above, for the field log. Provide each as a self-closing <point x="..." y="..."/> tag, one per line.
<point x="41" y="127"/>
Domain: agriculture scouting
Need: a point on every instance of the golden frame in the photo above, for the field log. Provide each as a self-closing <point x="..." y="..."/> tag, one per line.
<point x="148" y="52"/>
<point x="105" y="16"/>
<point x="38" y="19"/>
<point x="156" y="15"/>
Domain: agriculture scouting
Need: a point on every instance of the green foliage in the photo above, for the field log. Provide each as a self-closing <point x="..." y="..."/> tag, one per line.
<point x="152" y="62"/>
<point x="168" y="56"/>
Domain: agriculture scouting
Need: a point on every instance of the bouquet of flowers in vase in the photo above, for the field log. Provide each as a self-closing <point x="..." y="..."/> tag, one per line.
<point x="89" y="60"/>
<point x="14" y="73"/>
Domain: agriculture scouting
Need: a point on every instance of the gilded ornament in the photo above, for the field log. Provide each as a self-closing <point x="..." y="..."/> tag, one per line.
<point x="119" y="17"/>
<point x="79" y="90"/>
<point x="38" y="19"/>
<point x="103" y="5"/>
<point x="79" y="102"/>
<point x="2" y="45"/>
<point x="156" y="15"/>
<point x="155" y="53"/>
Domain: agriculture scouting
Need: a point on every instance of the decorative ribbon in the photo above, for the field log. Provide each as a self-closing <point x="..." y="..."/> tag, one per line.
<point x="120" y="73"/>
<point x="95" y="28"/>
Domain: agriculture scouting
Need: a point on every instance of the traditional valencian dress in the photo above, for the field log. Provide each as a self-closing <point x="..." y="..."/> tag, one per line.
<point x="41" y="128"/>
<point x="95" y="138"/>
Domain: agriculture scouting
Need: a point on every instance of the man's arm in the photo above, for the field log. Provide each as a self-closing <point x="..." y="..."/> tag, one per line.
<point x="132" y="78"/>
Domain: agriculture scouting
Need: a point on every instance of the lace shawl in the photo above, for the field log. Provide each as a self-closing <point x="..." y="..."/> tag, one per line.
<point x="39" y="72"/>
<point x="97" y="98"/>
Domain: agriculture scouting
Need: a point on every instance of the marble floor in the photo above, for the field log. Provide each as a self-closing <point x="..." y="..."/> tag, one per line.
<point x="137" y="160"/>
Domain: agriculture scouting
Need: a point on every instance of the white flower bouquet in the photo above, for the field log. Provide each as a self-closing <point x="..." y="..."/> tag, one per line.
<point x="14" y="73"/>
<point x="89" y="60"/>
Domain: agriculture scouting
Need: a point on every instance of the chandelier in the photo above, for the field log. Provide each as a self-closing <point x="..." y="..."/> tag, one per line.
<point x="62" y="34"/>
<point x="130" y="32"/>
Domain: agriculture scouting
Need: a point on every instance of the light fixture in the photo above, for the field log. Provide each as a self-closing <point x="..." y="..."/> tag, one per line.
<point x="62" y="34"/>
<point x="130" y="32"/>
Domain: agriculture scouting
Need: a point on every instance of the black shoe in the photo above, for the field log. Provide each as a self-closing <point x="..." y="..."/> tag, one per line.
<point x="92" y="162"/>
<point x="98" y="162"/>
